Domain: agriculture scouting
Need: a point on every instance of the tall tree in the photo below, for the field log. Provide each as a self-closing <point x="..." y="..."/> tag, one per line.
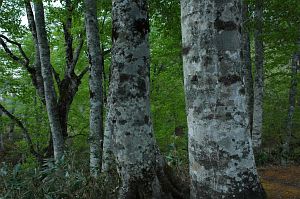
<point x="221" y="157"/>
<point x="96" y="97"/>
<point x="129" y="114"/>
<point x="50" y="94"/>
<point x="259" y="76"/>
<point x="128" y="126"/>
<point x="292" y="103"/>
<point x="1" y="132"/>
<point x="247" y="64"/>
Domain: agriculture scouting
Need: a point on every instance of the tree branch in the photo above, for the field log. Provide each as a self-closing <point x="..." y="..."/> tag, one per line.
<point x="56" y="76"/>
<point x="67" y="25"/>
<point x="76" y="54"/>
<point x="85" y="70"/>
<point x="26" y="62"/>
<point x="24" y="129"/>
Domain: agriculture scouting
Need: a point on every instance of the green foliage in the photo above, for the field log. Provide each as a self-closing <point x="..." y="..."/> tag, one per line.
<point x="61" y="180"/>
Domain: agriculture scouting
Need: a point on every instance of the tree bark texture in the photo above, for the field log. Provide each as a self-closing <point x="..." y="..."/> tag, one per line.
<point x="95" y="82"/>
<point x="38" y="80"/>
<point x="50" y="94"/>
<point x="220" y="153"/>
<point x="129" y="114"/>
<point x="259" y="76"/>
<point x="247" y="65"/>
<point x="292" y="103"/>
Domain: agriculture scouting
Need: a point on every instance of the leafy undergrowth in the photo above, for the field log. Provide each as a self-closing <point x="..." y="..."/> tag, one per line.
<point x="281" y="182"/>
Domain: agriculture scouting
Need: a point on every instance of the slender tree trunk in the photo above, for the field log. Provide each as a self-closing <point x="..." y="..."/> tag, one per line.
<point x="37" y="62"/>
<point x="220" y="154"/>
<point x="95" y="82"/>
<point x="259" y="77"/>
<point x="1" y="132"/>
<point x="247" y="65"/>
<point x="11" y="128"/>
<point x="291" y="110"/>
<point x="50" y="94"/>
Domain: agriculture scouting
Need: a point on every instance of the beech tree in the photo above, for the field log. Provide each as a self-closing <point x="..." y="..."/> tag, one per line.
<point x="50" y="94"/>
<point x="129" y="112"/>
<point x="129" y="134"/>
<point x="259" y="76"/>
<point x="96" y="97"/>
<point x="220" y="153"/>
<point x="247" y="64"/>
<point x="292" y="104"/>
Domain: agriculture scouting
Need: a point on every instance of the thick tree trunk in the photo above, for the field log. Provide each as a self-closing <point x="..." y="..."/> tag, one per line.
<point x="291" y="110"/>
<point x="128" y="134"/>
<point x="247" y="66"/>
<point x="259" y="77"/>
<point x="220" y="154"/>
<point x="129" y="114"/>
<point x="95" y="82"/>
<point x="50" y="94"/>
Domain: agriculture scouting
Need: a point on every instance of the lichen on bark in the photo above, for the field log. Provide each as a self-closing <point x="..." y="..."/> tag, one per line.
<point x="220" y="152"/>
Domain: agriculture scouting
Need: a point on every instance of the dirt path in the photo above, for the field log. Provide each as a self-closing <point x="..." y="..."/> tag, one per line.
<point x="281" y="182"/>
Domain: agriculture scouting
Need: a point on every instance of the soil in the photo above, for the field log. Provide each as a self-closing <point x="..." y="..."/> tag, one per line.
<point x="281" y="182"/>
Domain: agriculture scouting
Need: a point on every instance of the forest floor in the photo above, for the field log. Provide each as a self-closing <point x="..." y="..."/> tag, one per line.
<point x="281" y="182"/>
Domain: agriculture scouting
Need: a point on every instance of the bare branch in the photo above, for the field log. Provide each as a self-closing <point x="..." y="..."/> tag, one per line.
<point x="24" y="130"/>
<point x="26" y="62"/>
<point x="85" y="70"/>
<point x="76" y="54"/>
<point x="56" y="76"/>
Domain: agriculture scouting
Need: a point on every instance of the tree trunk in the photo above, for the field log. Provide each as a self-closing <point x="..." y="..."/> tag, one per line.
<point x="129" y="114"/>
<point x="247" y="66"/>
<point x="220" y="154"/>
<point x="1" y="132"/>
<point x="95" y="82"/>
<point x="38" y="80"/>
<point x="259" y="76"/>
<point x="50" y="94"/>
<point x="129" y="127"/>
<point x="291" y="110"/>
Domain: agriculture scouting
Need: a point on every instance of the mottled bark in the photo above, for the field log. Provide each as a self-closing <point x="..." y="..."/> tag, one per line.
<point x="259" y="76"/>
<point x="129" y="114"/>
<point x="220" y="154"/>
<point x="292" y="103"/>
<point x="247" y="65"/>
<point x="95" y="83"/>
<point x="129" y="126"/>
<point x="50" y="94"/>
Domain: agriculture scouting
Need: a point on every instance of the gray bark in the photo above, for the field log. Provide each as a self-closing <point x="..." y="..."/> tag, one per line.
<point x="259" y="76"/>
<point x="95" y="82"/>
<point x="1" y="132"/>
<point x="37" y="62"/>
<point x="292" y="104"/>
<point x="50" y="94"/>
<point x="129" y="127"/>
<point x="129" y="114"/>
<point x="220" y="153"/>
<point x="247" y="65"/>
